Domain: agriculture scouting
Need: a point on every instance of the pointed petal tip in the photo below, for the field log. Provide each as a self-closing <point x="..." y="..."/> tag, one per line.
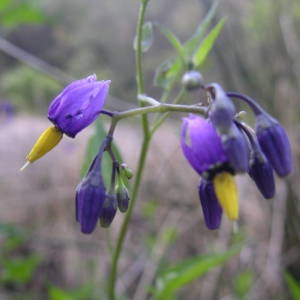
<point x="25" y="166"/>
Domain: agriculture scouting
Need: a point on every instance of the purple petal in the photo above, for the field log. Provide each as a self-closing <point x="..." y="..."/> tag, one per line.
<point x="78" y="105"/>
<point x="211" y="208"/>
<point x="201" y="144"/>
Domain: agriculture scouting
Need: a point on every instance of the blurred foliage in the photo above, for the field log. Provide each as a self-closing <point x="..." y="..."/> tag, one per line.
<point x="27" y="89"/>
<point x="183" y="273"/>
<point x="17" y="12"/>
<point x="17" y="265"/>
<point x="293" y="286"/>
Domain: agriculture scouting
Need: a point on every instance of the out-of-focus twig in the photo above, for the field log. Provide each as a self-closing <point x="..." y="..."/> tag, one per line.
<point x="33" y="61"/>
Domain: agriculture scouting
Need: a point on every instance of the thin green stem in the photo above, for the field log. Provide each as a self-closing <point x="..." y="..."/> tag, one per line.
<point x="142" y="157"/>
<point x="160" y="108"/>
<point x="123" y="231"/>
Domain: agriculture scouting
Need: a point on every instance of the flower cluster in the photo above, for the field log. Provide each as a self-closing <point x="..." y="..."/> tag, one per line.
<point x="222" y="146"/>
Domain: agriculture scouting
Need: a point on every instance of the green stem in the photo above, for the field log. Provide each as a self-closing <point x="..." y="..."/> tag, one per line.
<point x="160" y="108"/>
<point x="142" y="157"/>
<point x="123" y="231"/>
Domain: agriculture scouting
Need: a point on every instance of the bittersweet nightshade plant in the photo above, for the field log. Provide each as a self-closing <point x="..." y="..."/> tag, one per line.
<point x="217" y="144"/>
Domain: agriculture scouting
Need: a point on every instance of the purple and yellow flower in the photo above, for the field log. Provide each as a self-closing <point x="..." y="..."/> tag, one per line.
<point x="203" y="148"/>
<point x="75" y="108"/>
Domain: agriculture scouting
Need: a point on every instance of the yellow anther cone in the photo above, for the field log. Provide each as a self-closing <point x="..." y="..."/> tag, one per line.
<point x="47" y="141"/>
<point x="226" y="192"/>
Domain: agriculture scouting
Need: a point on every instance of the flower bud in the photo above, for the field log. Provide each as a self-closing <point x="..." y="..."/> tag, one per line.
<point x="226" y="192"/>
<point x="109" y="210"/>
<point x="192" y="80"/>
<point x="211" y="208"/>
<point x="90" y="197"/>
<point x="274" y="143"/>
<point x="262" y="174"/>
<point x="236" y="149"/>
<point x="127" y="171"/>
<point x="222" y="110"/>
<point x="122" y="195"/>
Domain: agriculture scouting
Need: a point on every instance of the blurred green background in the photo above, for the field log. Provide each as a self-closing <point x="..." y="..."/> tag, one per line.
<point x="44" y="45"/>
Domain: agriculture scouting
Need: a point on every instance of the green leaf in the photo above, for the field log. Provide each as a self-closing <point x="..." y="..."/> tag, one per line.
<point x="56" y="293"/>
<point x="187" y="271"/>
<point x="147" y="37"/>
<point x="19" y="269"/>
<point x="294" y="286"/>
<point x="242" y="284"/>
<point x="166" y="72"/>
<point x="193" y="43"/>
<point x="173" y="40"/>
<point x="20" y="14"/>
<point x="4" y="4"/>
<point x="207" y="44"/>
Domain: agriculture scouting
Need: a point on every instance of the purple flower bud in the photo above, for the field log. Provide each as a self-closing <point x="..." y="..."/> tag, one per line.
<point x="262" y="174"/>
<point x="90" y="196"/>
<point x="201" y="144"/>
<point x="78" y="105"/>
<point x="236" y="149"/>
<point x="108" y="211"/>
<point x="222" y="110"/>
<point x="274" y="143"/>
<point x="211" y="208"/>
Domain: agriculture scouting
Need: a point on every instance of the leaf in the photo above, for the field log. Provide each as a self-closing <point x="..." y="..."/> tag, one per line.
<point x="19" y="269"/>
<point x="20" y="14"/>
<point x="173" y="40"/>
<point x="207" y="44"/>
<point x="56" y="293"/>
<point x="187" y="271"/>
<point x="294" y="286"/>
<point x="166" y="72"/>
<point x="242" y="284"/>
<point x="147" y="37"/>
<point x="4" y="4"/>
<point x="171" y="68"/>
<point x="192" y="44"/>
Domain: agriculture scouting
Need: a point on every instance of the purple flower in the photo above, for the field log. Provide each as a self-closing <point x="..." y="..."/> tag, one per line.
<point x="211" y="208"/>
<point x="274" y="143"/>
<point x="90" y="196"/>
<point x="78" y="105"/>
<point x="201" y="144"/>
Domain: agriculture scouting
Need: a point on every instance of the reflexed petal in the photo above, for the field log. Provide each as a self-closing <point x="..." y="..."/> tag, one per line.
<point x="211" y="208"/>
<point x="275" y="144"/>
<point x="201" y="144"/>
<point x="226" y="191"/>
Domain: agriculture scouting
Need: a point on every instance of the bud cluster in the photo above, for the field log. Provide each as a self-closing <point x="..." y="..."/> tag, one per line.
<point x="93" y="202"/>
